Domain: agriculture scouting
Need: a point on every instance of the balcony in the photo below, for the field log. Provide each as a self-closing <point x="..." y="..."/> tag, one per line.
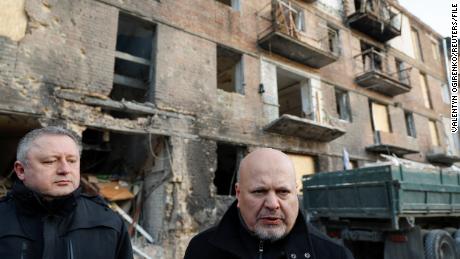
<point x="439" y="155"/>
<point x="375" y="73"/>
<point x="282" y="29"/>
<point x="390" y="143"/>
<point x="304" y="128"/>
<point x="376" y="19"/>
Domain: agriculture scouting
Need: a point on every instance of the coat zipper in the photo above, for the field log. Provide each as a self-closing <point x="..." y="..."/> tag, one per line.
<point x="23" y="249"/>
<point x="261" y="249"/>
<point x="70" y="249"/>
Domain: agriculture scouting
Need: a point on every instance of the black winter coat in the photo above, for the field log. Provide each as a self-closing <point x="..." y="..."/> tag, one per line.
<point x="230" y="240"/>
<point x="72" y="227"/>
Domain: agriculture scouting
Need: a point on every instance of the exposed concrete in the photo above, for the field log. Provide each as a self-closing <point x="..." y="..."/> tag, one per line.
<point x="61" y="72"/>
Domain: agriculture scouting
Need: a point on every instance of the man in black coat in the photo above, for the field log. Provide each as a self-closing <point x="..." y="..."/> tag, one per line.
<point x="46" y="216"/>
<point x="265" y="222"/>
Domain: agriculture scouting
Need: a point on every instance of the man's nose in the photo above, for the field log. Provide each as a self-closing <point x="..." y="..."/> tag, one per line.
<point x="271" y="201"/>
<point x="64" y="167"/>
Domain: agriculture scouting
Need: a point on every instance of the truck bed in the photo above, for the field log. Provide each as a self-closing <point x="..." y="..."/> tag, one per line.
<point x="383" y="192"/>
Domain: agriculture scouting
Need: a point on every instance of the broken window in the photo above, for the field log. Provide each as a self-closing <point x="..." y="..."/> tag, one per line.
<point x="425" y="91"/>
<point x="228" y="162"/>
<point x="343" y="104"/>
<point x="364" y="5"/>
<point x="402" y="72"/>
<point x="433" y="133"/>
<point x="333" y="39"/>
<point x="295" y="96"/>
<point x="354" y="164"/>
<point x="410" y="125"/>
<point x="380" y="118"/>
<point x="290" y="18"/>
<point x="235" y="4"/>
<point x="113" y="154"/>
<point x="372" y="57"/>
<point x="133" y="75"/>
<point x="230" y="76"/>
<point x="303" y="165"/>
<point x="416" y="44"/>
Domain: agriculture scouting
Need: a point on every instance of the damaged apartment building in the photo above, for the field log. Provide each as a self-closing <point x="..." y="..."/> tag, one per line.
<point x="168" y="95"/>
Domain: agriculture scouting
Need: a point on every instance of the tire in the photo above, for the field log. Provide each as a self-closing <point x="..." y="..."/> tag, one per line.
<point x="439" y="245"/>
<point x="456" y="236"/>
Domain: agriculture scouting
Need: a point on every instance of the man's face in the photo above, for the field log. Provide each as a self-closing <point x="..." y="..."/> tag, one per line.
<point x="266" y="194"/>
<point x="53" y="166"/>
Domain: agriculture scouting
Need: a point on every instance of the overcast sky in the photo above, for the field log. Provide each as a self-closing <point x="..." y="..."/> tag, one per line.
<point x="434" y="13"/>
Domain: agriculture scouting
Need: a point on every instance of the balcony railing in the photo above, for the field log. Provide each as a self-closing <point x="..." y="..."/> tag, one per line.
<point x="282" y="29"/>
<point x="377" y="19"/>
<point x="373" y="71"/>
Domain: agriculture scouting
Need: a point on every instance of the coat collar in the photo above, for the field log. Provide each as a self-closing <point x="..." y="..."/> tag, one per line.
<point x="232" y="236"/>
<point x="32" y="203"/>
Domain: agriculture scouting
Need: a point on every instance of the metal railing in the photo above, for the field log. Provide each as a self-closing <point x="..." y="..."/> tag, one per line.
<point x="372" y="60"/>
<point x="381" y="10"/>
<point x="290" y="19"/>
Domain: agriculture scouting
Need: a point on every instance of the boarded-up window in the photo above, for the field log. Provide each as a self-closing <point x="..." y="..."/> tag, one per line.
<point x="303" y="165"/>
<point x="380" y="117"/>
<point x="416" y="44"/>
<point x="425" y="91"/>
<point x="433" y="133"/>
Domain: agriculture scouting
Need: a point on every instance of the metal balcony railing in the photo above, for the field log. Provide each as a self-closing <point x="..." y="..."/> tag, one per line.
<point x="290" y="19"/>
<point x="371" y="60"/>
<point x="381" y="10"/>
<point x="377" y="19"/>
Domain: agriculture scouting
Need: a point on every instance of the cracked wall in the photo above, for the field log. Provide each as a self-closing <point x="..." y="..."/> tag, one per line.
<point x="59" y="69"/>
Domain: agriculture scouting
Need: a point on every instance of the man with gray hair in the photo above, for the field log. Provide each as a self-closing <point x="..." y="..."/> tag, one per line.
<point x="46" y="216"/>
<point x="265" y="221"/>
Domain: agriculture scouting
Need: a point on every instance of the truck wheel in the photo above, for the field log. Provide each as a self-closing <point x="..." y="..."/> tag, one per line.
<point x="456" y="236"/>
<point x="439" y="245"/>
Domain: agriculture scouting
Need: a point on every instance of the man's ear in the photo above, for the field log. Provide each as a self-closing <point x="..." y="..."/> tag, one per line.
<point x="19" y="170"/>
<point x="237" y="191"/>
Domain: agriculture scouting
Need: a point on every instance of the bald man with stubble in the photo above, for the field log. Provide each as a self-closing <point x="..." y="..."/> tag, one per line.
<point x="265" y="221"/>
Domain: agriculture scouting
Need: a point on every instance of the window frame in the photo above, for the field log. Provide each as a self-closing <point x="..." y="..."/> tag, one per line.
<point x="410" y="124"/>
<point x="343" y="107"/>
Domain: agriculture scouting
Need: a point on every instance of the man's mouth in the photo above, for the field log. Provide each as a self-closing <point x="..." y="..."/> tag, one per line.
<point x="271" y="220"/>
<point x="63" y="182"/>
